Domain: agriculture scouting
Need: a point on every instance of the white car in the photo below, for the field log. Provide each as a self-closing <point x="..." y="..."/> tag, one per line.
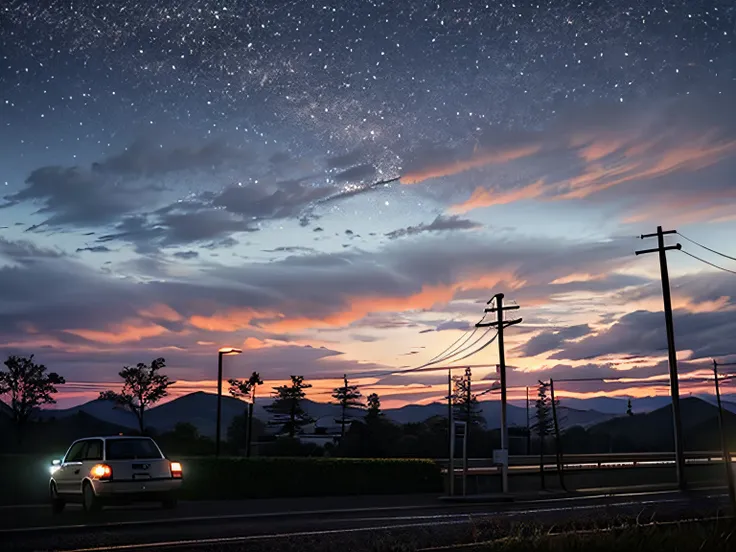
<point x="101" y="470"/>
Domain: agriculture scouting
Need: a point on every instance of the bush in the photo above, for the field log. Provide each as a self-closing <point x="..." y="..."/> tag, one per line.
<point x="233" y="478"/>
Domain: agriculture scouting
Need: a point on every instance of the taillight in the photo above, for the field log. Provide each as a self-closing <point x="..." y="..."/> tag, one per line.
<point x="101" y="472"/>
<point x="175" y="470"/>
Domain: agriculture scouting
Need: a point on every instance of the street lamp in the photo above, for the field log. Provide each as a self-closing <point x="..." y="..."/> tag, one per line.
<point x="225" y="351"/>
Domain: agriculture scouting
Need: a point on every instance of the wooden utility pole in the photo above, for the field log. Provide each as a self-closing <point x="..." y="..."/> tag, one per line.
<point x="500" y="323"/>
<point x="672" y="351"/>
<point x="558" y="441"/>
<point x="528" y="428"/>
<point x="724" y="441"/>
<point x="450" y="438"/>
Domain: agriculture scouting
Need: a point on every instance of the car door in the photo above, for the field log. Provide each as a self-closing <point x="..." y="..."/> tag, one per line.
<point x="92" y="457"/>
<point x="69" y="476"/>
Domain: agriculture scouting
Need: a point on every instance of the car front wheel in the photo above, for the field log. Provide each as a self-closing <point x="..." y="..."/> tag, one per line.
<point x="57" y="503"/>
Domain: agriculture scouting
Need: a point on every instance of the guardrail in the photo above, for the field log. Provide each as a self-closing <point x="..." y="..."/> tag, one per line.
<point x="585" y="461"/>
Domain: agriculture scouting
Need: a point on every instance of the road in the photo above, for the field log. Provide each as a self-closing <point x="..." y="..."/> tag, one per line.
<point x="360" y="523"/>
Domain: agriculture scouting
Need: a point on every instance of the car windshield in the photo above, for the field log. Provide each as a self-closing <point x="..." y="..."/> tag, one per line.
<point x="131" y="449"/>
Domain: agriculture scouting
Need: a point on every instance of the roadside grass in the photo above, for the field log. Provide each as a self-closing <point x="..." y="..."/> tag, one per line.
<point x="704" y="535"/>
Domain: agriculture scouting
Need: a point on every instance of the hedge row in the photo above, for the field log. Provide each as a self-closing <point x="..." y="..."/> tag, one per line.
<point x="232" y="478"/>
<point x="24" y="478"/>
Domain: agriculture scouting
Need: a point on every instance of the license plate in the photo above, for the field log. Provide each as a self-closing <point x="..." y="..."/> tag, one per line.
<point x="137" y="476"/>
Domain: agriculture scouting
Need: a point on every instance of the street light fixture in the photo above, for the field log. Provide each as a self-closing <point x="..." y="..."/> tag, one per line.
<point x="225" y="351"/>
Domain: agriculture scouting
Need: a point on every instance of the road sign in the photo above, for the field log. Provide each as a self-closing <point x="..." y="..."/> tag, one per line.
<point x="501" y="457"/>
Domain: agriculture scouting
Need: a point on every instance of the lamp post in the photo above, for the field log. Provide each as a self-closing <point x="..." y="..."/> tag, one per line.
<point x="225" y="351"/>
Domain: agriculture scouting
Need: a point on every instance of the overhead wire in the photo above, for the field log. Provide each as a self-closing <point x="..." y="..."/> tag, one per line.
<point x="447" y="358"/>
<point x="451" y="349"/>
<point x="706" y="247"/>
<point x="708" y="262"/>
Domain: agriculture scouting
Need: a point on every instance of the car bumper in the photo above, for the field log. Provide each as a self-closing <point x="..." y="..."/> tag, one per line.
<point x="136" y="490"/>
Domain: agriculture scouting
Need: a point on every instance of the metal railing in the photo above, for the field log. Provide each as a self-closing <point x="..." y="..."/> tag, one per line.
<point x="522" y="464"/>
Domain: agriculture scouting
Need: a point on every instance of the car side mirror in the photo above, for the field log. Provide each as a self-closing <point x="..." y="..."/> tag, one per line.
<point x="56" y="462"/>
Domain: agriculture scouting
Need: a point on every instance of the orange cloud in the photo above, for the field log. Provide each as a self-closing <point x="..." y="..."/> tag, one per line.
<point x="254" y="343"/>
<point x="226" y="321"/>
<point x="482" y="197"/>
<point x="160" y="312"/>
<point x="480" y="158"/>
<point x="127" y="331"/>
<point x="642" y="161"/>
<point x="578" y="277"/>
<point x="359" y="307"/>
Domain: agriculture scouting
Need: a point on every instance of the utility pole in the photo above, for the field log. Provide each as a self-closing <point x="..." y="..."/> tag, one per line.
<point x="724" y="442"/>
<point x="528" y="428"/>
<point x="674" y="381"/>
<point x="501" y="324"/>
<point x="451" y="437"/>
<point x="558" y="441"/>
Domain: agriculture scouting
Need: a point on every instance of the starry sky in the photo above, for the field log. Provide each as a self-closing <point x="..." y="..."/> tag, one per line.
<point x="338" y="187"/>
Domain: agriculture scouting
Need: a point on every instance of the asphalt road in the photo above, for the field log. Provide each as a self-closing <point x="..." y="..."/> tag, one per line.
<point x="370" y="524"/>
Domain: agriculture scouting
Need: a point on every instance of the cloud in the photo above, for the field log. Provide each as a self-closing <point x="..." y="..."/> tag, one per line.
<point x="75" y="196"/>
<point x="146" y="158"/>
<point x="346" y="160"/>
<point x="125" y="332"/>
<point x="637" y="156"/>
<point x="358" y="173"/>
<point x="548" y="341"/>
<point x="428" y="166"/>
<point x="483" y="197"/>
<point x="453" y="325"/>
<point x="94" y="249"/>
<point x="439" y="224"/>
<point x="290" y="249"/>
<point x="177" y="225"/>
<point x="270" y="202"/>
<point x="643" y="333"/>
<point x="186" y="255"/>
<point x="26" y="252"/>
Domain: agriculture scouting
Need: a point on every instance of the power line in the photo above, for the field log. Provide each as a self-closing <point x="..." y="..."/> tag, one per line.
<point x="478" y="350"/>
<point x="448" y="358"/>
<point x="708" y="262"/>
<point x="707" y="248"/>
<point x="451" y="349"/>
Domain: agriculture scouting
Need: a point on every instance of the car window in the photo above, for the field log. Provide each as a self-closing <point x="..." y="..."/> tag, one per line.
<point x="131" y="449"/>
<point x="94" y="450"/>
<point x="76" y="453"/>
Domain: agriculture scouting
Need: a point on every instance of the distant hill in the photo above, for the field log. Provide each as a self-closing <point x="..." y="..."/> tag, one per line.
<point x="200" y="409"/>
<point x="491" y="412"/>
<point x="653" y="431"/>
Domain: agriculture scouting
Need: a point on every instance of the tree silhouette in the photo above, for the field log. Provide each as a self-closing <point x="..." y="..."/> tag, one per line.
<point x="247" y="389"/>
<point x="28" y="386"/>
<point x="543" y="422"/>
<point x="465" y="402"/>
<point x="374" y="408"/>
<point x="143" y="386"/>
<point x="629" y="411"/>
<point x="346" y="396"/>
<point x="286" y="407"/>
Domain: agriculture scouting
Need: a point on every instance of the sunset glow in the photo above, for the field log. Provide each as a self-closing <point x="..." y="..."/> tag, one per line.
<point x="340" y="188"/>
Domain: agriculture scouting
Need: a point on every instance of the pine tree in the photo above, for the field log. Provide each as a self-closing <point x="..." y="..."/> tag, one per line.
<point x="374" y="408"/>
<point x="346" y="396"/>
<point x="287" y="408"/>
<point x="629" y="411"/>
<point x="465" y="402"/>
<point x="543" y="423"/>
